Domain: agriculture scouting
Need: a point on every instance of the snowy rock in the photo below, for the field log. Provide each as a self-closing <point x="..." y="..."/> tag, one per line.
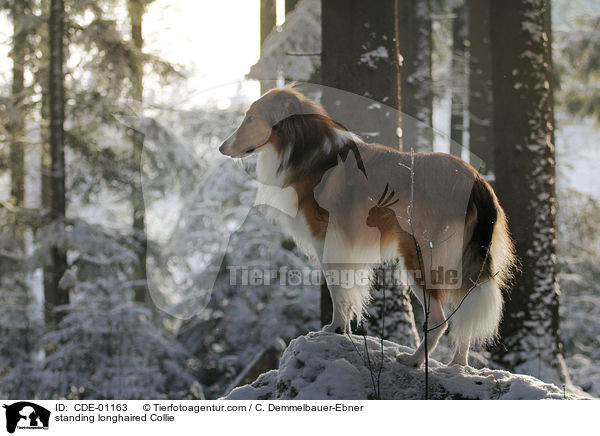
<point x="327" y="366"/>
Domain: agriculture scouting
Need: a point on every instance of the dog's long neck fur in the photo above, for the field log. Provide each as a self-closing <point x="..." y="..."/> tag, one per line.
<point x="304" y="146"/>
<point x="301" y="150"/>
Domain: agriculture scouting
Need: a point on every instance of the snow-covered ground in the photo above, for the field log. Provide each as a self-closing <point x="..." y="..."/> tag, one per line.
<point x="327" y="366"/>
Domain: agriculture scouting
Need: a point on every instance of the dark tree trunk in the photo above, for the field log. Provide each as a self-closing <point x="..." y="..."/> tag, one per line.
<point x="417" y="92"/>
<point x="290" y="5"/>
<point x="53" y="294"/>
<point x="525" y="183"/>
<point x="480" y="85"/>
<point x="43" y="76"/>
<point x="17" y="122"/>
<point x="136" y="13"/>
<point x="390" y="312"/>
<point x="459" y="81"/>
<point x="268" y="19"/>
<point x="352" y="32"/>
<point x="326" y="305"/>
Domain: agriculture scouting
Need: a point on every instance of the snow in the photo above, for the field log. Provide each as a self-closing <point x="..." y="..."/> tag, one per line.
<point x="328" y="366"/>
<point x="189" y="202"/>
<point x="371" y="57"/>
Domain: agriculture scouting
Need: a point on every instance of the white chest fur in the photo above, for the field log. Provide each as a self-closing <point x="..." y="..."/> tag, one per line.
<point x="283" y="202"/>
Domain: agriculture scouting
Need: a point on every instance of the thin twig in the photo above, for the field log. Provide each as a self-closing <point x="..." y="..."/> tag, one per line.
<point x="382" y="333"/>
<point x="474" y="285"/>
<point x="420" y="263"/>
<point x="366" y="361"/>
<point x="298" y="53"/>
<point x="356" y="349"/>
<point x="370" y="367"/>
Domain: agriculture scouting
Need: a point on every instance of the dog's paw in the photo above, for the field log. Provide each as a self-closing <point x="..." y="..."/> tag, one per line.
<point x="330" y="328"/>
<point x="410" y="359"/>
<point x="334" y="328"/>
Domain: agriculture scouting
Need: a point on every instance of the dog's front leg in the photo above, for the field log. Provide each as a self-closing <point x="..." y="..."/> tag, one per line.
<point x="340" y="321"/>
<point x="349" y="289"/>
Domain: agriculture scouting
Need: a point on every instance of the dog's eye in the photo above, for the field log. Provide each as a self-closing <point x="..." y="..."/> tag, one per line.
<point x="249" y="119"/>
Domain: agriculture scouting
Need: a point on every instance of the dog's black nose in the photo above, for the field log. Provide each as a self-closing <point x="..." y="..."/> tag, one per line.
<point x="225" y="145"/>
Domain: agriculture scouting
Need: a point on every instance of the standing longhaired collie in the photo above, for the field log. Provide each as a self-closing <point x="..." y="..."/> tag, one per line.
<point x="351" y="205"/>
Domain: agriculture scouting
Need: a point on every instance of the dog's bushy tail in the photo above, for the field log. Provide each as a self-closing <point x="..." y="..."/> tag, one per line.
<point x="488" y="259"/>
<point x="490" y="249"/>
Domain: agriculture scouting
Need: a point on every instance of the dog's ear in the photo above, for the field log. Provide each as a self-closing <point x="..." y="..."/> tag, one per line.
<point x="286" y="102"/>
<point x="289" y="105"/>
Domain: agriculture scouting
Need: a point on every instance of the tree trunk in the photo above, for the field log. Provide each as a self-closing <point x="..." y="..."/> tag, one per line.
<point x="43" y="76"/>
<point x="53" y="294"/>
<point x="359" y="55"/>
<point x="290" y="5"/>
<point x="525" y="183"/>
<point x="480" y="85"/>
<point x="268" y="19"/>
<point x="417" y="92"/>
<point x="136" y="12"/>
<point x="390" y="312"/>
<point x="17" y="119"/>
<point x="353" y="33"/>
<point x="459" y="79"/>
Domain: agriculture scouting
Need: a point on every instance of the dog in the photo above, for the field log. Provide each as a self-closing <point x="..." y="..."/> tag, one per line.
<point x="352" y="205"/>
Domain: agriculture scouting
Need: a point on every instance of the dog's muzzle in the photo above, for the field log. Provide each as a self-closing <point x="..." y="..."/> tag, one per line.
<point x="225" y="147"/>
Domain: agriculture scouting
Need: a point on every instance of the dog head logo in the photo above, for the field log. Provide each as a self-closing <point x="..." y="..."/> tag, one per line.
<point x="26" y="415"/>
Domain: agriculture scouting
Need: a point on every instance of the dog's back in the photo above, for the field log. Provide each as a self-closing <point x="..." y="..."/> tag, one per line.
<point x="446" y="199"/>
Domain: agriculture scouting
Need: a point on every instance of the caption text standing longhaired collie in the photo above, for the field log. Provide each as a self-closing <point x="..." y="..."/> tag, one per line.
<point x="351" y="205"/>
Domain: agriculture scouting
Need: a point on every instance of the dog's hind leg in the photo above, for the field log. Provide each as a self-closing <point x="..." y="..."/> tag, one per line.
<point x="477" y="319"/>
<point x="461" y="354"/>
<point x="436" y="319"/>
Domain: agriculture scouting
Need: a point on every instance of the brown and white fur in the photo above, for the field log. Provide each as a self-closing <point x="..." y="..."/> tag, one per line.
<point x="351" y="205"/>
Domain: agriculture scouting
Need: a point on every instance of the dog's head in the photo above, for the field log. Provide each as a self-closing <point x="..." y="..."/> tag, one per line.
<point x="265" y="117"/>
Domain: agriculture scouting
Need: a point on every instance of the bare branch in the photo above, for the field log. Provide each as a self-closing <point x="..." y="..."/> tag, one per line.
<point x="297" y="53"/>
